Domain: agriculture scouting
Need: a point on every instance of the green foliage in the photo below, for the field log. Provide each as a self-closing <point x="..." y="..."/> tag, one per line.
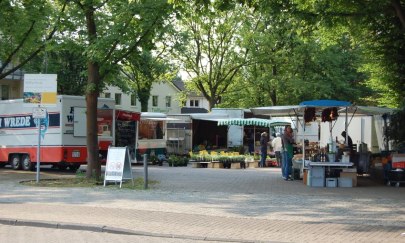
<point x="25" y="27"/>
<point x="176" y="161"/>
<point x="208" y="47"/>
<point x="396" y="129"/>
<point x="140" y="71"/>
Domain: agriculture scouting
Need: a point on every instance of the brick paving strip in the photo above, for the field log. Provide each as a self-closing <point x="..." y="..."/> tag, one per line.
<point x="191" y="226"/>
<point x="207" y="204"/>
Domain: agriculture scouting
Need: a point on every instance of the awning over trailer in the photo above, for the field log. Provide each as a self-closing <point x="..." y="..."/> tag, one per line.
<point x="287" y="110"/>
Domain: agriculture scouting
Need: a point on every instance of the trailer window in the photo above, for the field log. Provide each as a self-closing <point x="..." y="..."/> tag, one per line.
<point x="151" y="129"/>
<point x="104" y="122"/>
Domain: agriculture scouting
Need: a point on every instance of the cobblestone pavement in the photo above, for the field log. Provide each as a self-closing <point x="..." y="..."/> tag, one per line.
<point x="191" y="204"/>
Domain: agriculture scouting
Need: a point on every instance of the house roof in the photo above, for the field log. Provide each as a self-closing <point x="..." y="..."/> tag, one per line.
<point x="16" y="75"/>
<point x="179" y="84"/>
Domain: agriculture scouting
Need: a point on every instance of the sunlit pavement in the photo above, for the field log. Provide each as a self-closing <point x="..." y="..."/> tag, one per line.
<point x="212" y="204"/>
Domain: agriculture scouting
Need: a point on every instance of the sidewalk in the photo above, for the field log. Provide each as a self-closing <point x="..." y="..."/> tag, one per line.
<point x="225" y="205"/>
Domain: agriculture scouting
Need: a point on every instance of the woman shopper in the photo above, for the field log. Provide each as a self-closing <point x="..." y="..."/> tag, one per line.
<point x="288" y="141"/>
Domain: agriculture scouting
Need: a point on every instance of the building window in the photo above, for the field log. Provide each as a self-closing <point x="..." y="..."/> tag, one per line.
<point x="107" y="95"/>
<point x="118" y="99"/>
<point x="155" y="100"/>
<point x="5" y="92"/>
<point x="133" y="99"/>
<point x="168" y="101"/>
<point x="194" y="103"/>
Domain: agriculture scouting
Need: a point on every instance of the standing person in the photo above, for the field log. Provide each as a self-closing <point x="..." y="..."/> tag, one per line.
<point x="277" y="145"/>
<point x="349" y="140"/>
<point x="251" y="142"/>
<point x="288" y="141"/>
<point x="264" y="140"/>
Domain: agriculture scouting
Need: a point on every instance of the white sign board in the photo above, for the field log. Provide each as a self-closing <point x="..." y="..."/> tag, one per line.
<point x="118" y="166"/>
<point x="79" y="122"/>
<point x="40" y="89"/>
<point x="39" y="112"/>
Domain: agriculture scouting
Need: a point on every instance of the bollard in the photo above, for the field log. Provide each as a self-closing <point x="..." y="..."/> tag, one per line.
<point x="145" y="172"/>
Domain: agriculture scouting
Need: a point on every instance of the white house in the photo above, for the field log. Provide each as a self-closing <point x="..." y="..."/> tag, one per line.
<point x="11" y="86"/>
<point x="164" y="98"/>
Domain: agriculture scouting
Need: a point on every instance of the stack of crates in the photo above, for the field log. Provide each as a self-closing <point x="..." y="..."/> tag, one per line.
<point x="317" y="176"/>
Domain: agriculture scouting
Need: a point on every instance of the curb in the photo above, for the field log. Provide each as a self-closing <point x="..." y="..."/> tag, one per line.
<point x="111" y="230"/>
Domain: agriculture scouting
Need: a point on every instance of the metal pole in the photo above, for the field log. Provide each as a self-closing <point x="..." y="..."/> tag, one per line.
<point x="38" y="147"/>
<point x="347" y="135"/>
<point x="145" y="172"/>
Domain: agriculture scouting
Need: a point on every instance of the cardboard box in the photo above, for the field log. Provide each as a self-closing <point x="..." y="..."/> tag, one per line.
<point x="305" y="176"/>
<point x="352" y="175"/>
<point x="345" y="182"/>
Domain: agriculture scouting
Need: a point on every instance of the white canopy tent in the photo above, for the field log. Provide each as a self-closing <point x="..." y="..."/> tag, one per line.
<point x="252" y="122"/>
<point x="298" y="111"/>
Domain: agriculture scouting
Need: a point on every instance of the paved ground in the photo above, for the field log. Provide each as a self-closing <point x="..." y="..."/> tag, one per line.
<point x="192" y="205"/>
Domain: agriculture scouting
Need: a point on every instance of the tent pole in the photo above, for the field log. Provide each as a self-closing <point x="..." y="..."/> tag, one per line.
<point x="347" y="135"/>
<point x="254" y="140"/>
<point x="303" y="147"/>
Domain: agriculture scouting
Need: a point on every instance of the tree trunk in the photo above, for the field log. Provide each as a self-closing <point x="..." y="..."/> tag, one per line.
<point x="212" y="102"/>
<point x="93" y="84"/>
<point x="143" y="99"/>
<point x="93" y="163"/>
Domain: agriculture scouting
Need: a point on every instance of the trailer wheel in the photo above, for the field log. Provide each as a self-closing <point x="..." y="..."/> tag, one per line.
<point x="16" y="162"/>
<point x="62" y="167"/>
<point x="74" y="167"/>
<point x="26" y="162"/>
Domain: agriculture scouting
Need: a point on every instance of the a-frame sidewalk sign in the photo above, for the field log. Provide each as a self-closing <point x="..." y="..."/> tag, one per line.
<point x="118" y="166"/>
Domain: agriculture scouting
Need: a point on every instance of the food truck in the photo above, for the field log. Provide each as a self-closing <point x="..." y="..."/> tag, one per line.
<point x="62" y="133"/>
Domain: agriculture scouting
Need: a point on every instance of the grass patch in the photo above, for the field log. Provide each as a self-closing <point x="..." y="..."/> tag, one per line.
<point x="80" y="181"/>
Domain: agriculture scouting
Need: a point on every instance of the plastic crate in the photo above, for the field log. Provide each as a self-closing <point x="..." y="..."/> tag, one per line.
<point x="318" y="171"/>
<point x="345" y="182"/>
<point x="317" y="182"/>
<point x="331" y="182"/>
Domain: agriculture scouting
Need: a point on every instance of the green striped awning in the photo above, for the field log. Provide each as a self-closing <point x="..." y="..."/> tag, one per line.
<point x="252" y="122"/>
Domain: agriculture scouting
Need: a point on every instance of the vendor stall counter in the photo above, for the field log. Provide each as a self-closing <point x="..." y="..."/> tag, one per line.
<point x="318" y="172"/>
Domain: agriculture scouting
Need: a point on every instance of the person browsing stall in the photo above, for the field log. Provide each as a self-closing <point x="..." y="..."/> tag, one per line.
<point x="264" y="140"/>
<point x="288" y="152"/>
<point x="277" y="145"/>
<point x="349" y="140"/>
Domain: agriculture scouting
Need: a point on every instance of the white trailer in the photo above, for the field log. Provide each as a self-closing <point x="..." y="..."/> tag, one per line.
<point x="63" y="133"/>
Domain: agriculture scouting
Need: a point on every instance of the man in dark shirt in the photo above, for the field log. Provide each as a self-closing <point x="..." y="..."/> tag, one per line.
<point x="349" y="140"/>
<point x="264" y="140"/>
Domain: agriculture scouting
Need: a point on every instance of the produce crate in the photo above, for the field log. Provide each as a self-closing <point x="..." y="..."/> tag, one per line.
<point x="331" y="182"/>
<point x="317" y="181"/>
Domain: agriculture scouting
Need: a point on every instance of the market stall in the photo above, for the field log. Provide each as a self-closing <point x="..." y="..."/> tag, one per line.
<point x="309" y="111"/>
<point x="271" y="124"/>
